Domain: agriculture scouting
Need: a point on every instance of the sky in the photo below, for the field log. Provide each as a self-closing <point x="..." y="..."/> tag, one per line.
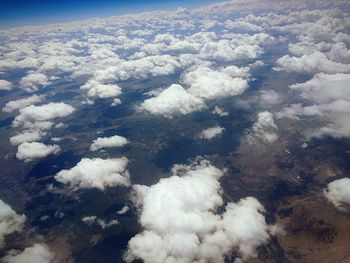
<point x="23" y="12"/>
<point x="230" y="94"/>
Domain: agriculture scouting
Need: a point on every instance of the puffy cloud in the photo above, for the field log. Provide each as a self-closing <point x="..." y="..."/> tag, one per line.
<point x="227" y="51"/>
<point x="324" y="88"/>
<point x="33" y="81"/>
<point x="173" y="100"/>
<point x="5" y="85"/>
<point x="108" y="142"/>
<point x="27" y="136"/>
<point x="95" y="89"/>
<point x="330" y="96"/>
<point x="139" y="69"/>
<point x="39" y="253"/>
<point x="269" y="97"/>
<point x="41" y="116"/>
<point x="35" y="120"/>
<point x="96" y="173"/>
<point x="123" y="210"/>
<point x="211" y="132"/>
<point x="338" y="193"/>
<point x="21" y="103"/>
<point x="192" y="195"/>
<point x="242" y="25"/>
<point x="100" y="222"/>
<point x="312" y="63"/>
<point x="102" y="84"/>
<point x="209" y="84"/>
<point x="29" y="151"/>
<point x="339" y="53"/>
<point x="204" y="84"/>
<point x="10" y="222"/>
<point x="264" y="129"/>
<point x="217" y="110"/>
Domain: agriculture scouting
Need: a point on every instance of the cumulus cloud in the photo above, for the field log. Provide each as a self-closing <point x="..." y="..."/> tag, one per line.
<point x="269" y="97"/>
<point x="174" y="100"/>
<point x="138" y="69"/>
<point x="5" y="85"/>
<point x="264" y="129"/>
<point x="204" y="84"/>
<point x="192" y="195"/>
<point x="324" y="88"/>
<point x="100" y="222"/>
<point x="242" y="25"/>
<point x="209" y="84"/>
<point x="27" y="136"/>
<point x="218" y="111"/>
<point x="95" y="89"/>
<point x="312" y="63"/>
<point x="108" y="142"/>
<point x="96" y="173"/>
<point x="226" y="50"/>
<point x="39" y="252"/>
<point x="29" y="151"/>
<point x="33" y="81"/>
<point x="21" y="103"/>
<point x="40" y="116"/>
<point x="10" y="222"/>
<point x="338" y="193"/>
<point x="339" y="53"/>
<point x="211" y="132"/>
<point x="330" y="98"/>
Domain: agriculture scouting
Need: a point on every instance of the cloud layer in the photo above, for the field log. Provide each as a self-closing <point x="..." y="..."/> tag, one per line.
<point x="10" y="222"/>
<point x="108" y="142"/>
<point x="96" y="173"/>
<point x="338" y="193"/>
<point x="40" y="253"/>
<point x="180" y="222"/>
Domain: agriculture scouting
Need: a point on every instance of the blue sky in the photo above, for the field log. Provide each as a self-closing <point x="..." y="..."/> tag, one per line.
<point x="23" y="12"/>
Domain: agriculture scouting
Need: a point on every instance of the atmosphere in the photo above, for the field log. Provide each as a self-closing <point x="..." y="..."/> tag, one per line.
<point x="175" y="131"/>
<point x="23" y="12"/>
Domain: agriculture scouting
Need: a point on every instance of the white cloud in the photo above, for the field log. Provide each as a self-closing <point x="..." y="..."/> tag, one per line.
<point x="339" y="53"/>
<point x="123" y="210"/>
<point x="330" y="96"/>
<point x="29" y="151"/>
<point x="217" y="110"/>
<point x="40" y="116"/>
<point x="269" y="97"/>
<point x="264" y="129"/>
<point x="33" y="81"/>
<point x="95" y="89"/>
<point x="192" y="195"/>
<point x="204" y="84"/>
<point x="39" y="253"/>
<point x="96" y="173"/>
<point x="100" y="222"/>
<point x="227" y="51"/>
<point x="242" y="25"/>
<point x="174" y="100"/>
<point x="139" y="69"/>
<point x="210" y="84"/>
<point x="5" y="85"/>
<point x="108" y="142"/>
<point x="27" y="136"/>
<point x="116" y="102"/>
<point x="324" y="88"/>
<point x="338" y="193"/>
<point x="211" y="132"/>
<point x="312" y="63"/>
<point x="10" y="222"/>
<point x="21" y="103"/>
